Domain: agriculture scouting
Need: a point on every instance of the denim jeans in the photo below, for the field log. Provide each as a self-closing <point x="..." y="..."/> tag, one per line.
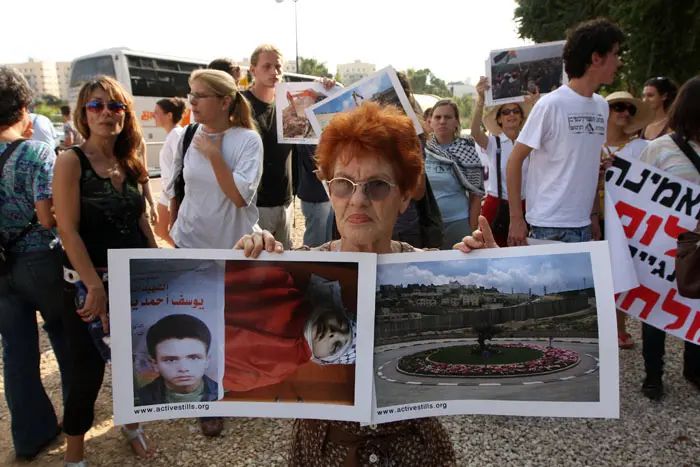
<point x="316" y="216"/>
<point x="35" y="283"/>
<point x="565" y="234"/>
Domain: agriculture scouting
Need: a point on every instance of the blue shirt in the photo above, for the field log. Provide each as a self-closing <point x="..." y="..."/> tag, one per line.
<point x="449" y="193"/>
<point x="25" y="180"/>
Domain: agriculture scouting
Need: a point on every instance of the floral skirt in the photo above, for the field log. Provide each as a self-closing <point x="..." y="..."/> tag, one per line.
<point x="422" y="442"/>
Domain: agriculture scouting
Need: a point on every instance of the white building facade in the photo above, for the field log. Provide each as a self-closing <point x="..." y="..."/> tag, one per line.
<point x="46" y="77"/>
<point x="353" y="72"/>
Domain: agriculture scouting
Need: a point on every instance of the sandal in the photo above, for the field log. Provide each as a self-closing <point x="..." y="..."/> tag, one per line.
<point x="137" y="434"/>
<point x="624" y="341"/>
<point x="82" y="463"/>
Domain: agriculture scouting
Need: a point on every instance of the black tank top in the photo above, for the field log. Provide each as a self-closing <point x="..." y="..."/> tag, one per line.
<point x="109" y="219"/>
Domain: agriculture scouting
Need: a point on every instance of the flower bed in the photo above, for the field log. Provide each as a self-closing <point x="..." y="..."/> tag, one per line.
<point x="552" y="359"/>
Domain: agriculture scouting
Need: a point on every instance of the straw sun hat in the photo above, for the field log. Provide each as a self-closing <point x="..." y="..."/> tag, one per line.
<point x="640" y="119"/>
<point x="492" y="125"/>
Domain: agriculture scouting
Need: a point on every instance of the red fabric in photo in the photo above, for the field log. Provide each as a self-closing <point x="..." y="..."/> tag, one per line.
<point x="265" y="316"/>
<point x="489" y="210"/>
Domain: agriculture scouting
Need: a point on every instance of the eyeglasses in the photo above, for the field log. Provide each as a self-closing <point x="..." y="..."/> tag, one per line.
<point x="510" y="111"/>
<point x="112" y="106"/>
<point x="375" y="190"/>
<point x="195" y="96"/>
<point x="622" y="106"/>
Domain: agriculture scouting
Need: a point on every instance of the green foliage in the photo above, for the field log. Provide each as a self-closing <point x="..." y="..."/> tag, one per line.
<point x="466" y="108"/>
<point x="311" y="66"/>
<point x="338" y="78"/>
<point x="425" y="82"/>
<point x="53" y="112"/>
<point x="663" y="38"/>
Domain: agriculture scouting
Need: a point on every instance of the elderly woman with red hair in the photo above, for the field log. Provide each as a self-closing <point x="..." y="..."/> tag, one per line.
<point x="372" y="160"/>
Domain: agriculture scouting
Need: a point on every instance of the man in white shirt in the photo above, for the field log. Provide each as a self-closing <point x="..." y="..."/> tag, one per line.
<point x="43" y="129"/>
<point x="563" y="136"/>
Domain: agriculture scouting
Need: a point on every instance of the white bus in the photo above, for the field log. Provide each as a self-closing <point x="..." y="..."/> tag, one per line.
<point x="148" y="78"/>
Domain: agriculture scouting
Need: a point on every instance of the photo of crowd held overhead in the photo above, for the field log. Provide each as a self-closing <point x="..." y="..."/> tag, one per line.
<point x="513" y="73"/>
<point x="524" y="329"/>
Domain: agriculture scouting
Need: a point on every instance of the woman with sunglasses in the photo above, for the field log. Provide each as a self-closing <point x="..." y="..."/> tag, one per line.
<point x="373" y="161"/>
<point x="503" y="124"/>
<point x="659" y="93"/>
<point x="99" y="202"/>
<point x="627" y="116"/>
<point x="455" y="173"/>
<point x="168" y="112"/>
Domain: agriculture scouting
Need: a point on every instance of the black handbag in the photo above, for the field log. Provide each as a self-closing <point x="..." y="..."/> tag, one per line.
<point x="501" y="221"/>
<point x="5" y="254"/>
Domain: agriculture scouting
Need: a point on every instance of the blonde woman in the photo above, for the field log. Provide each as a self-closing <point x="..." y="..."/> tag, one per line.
<point x="221" y="168"/>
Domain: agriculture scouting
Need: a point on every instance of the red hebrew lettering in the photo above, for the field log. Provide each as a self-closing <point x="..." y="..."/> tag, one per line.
<point x="694" y="328"/>
<point x="673" y="230"/>
<point x="676" y="309"/>
<point x="653" y="224"/>
<point x="648" y="296"/>
<point x="635" y="214"/>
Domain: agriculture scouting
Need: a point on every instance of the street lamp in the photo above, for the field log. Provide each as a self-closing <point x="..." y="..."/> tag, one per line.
<point x="296" y="31"/>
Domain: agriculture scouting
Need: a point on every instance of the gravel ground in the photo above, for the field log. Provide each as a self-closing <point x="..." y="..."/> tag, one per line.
<point x="647" y="434"/>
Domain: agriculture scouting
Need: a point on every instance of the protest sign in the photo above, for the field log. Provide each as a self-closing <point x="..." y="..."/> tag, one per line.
<point x="514" y="72"/>
<point x="512" y="331"/>
<point x="653" y="208"/>
<point x="293" y="126"/>
<point x="382" y="87"/>
<point x="202" y="333"/>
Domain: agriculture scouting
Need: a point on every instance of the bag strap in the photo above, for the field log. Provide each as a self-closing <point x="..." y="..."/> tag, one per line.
<point x="8" y="152"/>
<point x="498" y="167"/>
<point x="687" y="150"/>
<point x="4" y="157"/>
<point x="187" y="139"/>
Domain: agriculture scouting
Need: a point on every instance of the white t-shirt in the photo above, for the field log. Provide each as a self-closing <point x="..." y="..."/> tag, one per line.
<point x="566" y="132"/>
<point x="506" y="148"/>
<point x="207" y="218"/>
<point x="632" y="150"/>
<point x="165" y="158"/>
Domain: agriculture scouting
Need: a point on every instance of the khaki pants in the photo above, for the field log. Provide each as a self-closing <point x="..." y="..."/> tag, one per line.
<point x="278" y="221"/>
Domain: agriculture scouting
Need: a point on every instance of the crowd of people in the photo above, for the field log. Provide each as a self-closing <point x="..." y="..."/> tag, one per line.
<point x="371" y="185"/>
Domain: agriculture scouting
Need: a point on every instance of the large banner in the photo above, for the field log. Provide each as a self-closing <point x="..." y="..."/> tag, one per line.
<point x="199" y="333"/>
<point x="653" y="208"/>
<point x="511" y="331"/>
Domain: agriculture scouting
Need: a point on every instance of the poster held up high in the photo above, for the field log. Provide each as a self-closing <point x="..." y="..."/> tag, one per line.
<point x="514" y="72"/>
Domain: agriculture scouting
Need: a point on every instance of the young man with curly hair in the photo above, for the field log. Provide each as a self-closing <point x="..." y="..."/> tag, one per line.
<point x="563" y="136"/>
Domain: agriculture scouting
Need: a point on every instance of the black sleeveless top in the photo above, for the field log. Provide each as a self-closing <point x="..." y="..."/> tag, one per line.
<point x="109" y="219"/>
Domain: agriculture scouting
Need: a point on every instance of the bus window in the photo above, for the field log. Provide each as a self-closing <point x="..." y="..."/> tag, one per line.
<point x="85" y="70"/>
<point x="160" y="78"/>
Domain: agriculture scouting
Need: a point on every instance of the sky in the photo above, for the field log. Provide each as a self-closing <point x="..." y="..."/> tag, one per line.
<point x="451" y="37"/>
<point x="558" y="272"/>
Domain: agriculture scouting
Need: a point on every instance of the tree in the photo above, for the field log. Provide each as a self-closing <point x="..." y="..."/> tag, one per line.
<point x="425" y="82"/>
<point x="338" y="78"/>
<point x="485" y="332"/>
<point x="466" y="108"/>
<point x="663" y="38"/>
<point x="311" y="66"/>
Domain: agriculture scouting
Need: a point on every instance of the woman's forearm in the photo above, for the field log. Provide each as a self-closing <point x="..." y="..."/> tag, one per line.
<point x="145" y="227"/>
<point x="224" y="177"/>
<point x="474" y="210"/>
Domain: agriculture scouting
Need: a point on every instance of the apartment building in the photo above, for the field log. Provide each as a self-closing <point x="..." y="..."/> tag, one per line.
<point x="353" y="72"/>
<point x="46" y="77"/>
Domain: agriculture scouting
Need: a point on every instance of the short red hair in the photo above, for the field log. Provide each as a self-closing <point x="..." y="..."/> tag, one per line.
<point x="370" y="131"/>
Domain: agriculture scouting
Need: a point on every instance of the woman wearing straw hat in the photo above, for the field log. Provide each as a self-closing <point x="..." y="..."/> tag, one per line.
<point x="628" y="115"/>
<point x="503" y="124"/>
